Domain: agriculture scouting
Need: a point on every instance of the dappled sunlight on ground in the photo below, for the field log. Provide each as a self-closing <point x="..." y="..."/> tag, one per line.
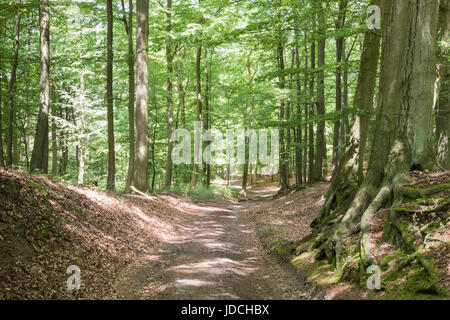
<point x="219" y="258"/>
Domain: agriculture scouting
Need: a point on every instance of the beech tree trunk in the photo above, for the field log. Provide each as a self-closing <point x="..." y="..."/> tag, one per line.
<point x="284" y="160"/>
<point x="181" y="94"/>
<point x="197" y="148"/>
<point x="64" y="150"/>
<point x="140" y="177"/>
<point x="54" y="145"/>
<point x="207" y="123"/>
<point x="443" y="107"/>
<point x="338" y="130"/>
<point x="347" y="178"/>
<point x="111" y="180"/>
<point x="12" y="82"/>
<point x="250" y="127"/>
<point x="299" y="138"/>
<point x="306" y="107"/>
<point x="39" y="157"/>
<point x="409" y="38"/>
<point x="169" y="59"/>
<point x="131" y="94"/>
<point x="311" y="114"/>
<point x="2" y="159"/>
<point x="321" y="152"/>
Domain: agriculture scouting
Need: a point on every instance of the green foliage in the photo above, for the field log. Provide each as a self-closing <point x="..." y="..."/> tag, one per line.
<point x="240" y="36"/>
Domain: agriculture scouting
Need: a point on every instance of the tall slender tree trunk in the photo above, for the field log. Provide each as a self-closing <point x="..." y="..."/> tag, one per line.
<point x="311" y="114"/>
<point x="63" y="146"/>
<point x="344" y="126"/>
<point x="181" y="94"/>
<point x="443" y="106"/>
<point x="299" y="138"/>
<point x="289" y="106"/>
<point x="111" y="179"/>
<point x="140" y="177"/>
<point x="12" y="81"/>
<point x="306" y="108"/>
<point x="2" y="159"/>
<point x="131" y="92"/>
<point x="338" y="130"/>
<point x="197" y="147"/>
<point x="321" y="154"/>
<point x="248" y="136"/>
<point x="284" y="175"/>
<point x="155" y="126"/>
<point x="39" y="157"/>
<point x="169" y="59"/>
<point x="206" y="120"/>
<point x="54" y="145"/>
<point x="82" y="137"/>
<point x="181" y="89"/>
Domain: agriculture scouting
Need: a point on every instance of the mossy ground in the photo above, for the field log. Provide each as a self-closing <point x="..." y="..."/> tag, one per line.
<point x="413" y="256"/>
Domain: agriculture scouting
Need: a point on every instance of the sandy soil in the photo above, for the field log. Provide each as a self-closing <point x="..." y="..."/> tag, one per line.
<point x="217" y="256"/>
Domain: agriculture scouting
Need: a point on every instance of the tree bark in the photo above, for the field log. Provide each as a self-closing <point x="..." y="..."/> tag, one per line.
<point x="321" y="154"/>
<point x="338" y="131"/>
<point x="169" y="59"/>
<point x="306" y="107"/>
<point x="140" y="177"/>
<point x="181" y="94"/>
<point x="54" y="145"/>
<point x="409" y="38"/>
<point x="39" y="157"/>
<point x="311" y="114"/>
<point x="2" y="159"/>
<point x="248" y="136"/>
<point x="207" y="124"/>
<point x="197" y="149"/>
<point x="63" y="146"/>
<point x="284" y="175"/>
<point x="443" y="107"/>
<point x="131" y="92"/>
<point x="347" y="178"/>
<point x="12" y="81"/>
<point x="299" y="138"/>
<point x="111" y="179"/>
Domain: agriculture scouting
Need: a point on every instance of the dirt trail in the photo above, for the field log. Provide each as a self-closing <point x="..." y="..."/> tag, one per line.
<point x="218" y="256"/>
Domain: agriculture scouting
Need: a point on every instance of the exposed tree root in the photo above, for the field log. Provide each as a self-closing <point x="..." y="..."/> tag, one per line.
<point x="423" y="193"/>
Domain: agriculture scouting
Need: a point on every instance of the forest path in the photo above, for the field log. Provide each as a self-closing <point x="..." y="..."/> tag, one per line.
<point x="218" y="256"/>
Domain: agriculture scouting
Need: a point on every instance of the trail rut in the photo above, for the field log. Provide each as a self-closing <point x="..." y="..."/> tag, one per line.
<point x="218" y="257"/>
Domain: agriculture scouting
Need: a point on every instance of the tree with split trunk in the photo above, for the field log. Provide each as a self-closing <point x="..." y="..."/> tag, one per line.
<point x="402" y="131"/>
<point x="348" y="175"/>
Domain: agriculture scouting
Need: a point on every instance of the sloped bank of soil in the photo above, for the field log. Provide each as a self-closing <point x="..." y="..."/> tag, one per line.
<point x="284" y="222"/>
<point x="413" y="255"/>
<point x="47" y="226"/>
